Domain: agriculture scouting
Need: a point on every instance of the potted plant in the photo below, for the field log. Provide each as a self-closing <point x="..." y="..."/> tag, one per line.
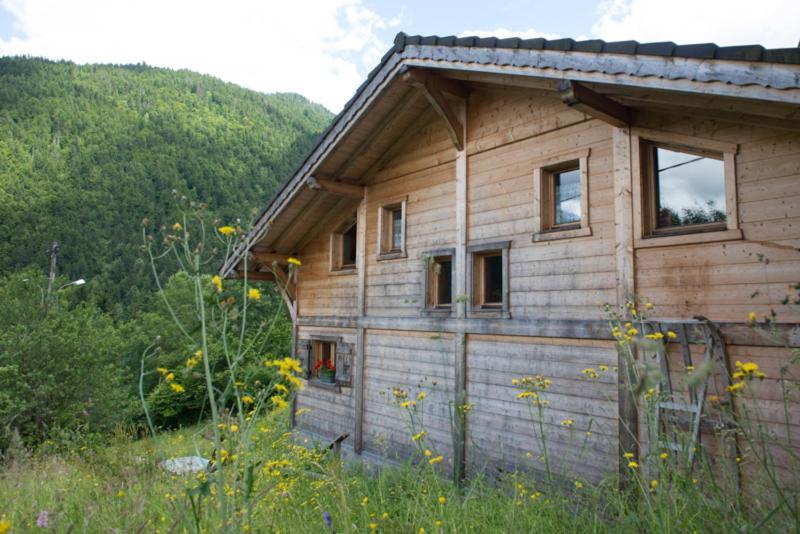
<point x="326" y="371"/>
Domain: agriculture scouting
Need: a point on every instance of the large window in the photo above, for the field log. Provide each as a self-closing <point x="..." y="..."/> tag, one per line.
<point x="561" y="197"/>
<point x="344" y="247"/>
<point x="392" y="230"/>
<point x="488" y="277"/>
<point x="684" y="189"/>
<point x="438" y="282"/>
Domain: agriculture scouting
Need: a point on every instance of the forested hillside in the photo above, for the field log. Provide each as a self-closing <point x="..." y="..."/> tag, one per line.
<point x="87" y="152"/>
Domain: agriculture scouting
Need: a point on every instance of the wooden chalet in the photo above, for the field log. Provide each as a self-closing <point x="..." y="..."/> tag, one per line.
<point x="463" y="218"/>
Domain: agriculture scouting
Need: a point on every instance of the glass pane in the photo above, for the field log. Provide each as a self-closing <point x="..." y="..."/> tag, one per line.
<point x="690" y="188"/>
<point x="493" y="279"/>
<point x="444" y="282"/>
<point x="397" y="229"/>
<point x="349" y="247"/>
<point x="567" y="191"/>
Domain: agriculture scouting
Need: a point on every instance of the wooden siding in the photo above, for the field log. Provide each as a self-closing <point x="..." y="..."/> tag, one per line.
<point x="326" y="413"/>
<point x="321" y="292"/>
<point x="413" y="361"/>
<point x="500" y="427"/>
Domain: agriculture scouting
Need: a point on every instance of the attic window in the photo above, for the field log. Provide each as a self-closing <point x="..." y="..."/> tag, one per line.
<point x="561" y="203"/>
<point x="344" y="246"/>
<point x="392" y="230"/>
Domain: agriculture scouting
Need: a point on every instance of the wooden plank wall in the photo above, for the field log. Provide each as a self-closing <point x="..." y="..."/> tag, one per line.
<point x="414" y="361"/>
<point x="500" y="427"/>
<point x="424" y="172"/>
<point x="326" y="413"/>
<point x="321" y="292"/>
<point x="555" y="279"/>
<point x="724" y="281"/>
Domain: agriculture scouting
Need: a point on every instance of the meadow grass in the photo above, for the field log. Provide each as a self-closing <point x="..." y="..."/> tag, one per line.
<point x="120" y="488"/>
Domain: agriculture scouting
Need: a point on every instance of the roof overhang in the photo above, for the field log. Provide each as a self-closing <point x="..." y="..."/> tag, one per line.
<point x="386" y="107"/>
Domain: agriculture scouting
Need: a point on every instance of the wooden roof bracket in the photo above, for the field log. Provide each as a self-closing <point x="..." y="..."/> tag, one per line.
<point x="434" y="89"/>
<point x="336" y="188"/>
<point x="580" y="97"/>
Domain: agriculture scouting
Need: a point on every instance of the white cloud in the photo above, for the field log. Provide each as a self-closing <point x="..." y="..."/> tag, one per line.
<point x="772" y="23"/>
<point x="319" y="48"/>
<point x="503" y="33"/>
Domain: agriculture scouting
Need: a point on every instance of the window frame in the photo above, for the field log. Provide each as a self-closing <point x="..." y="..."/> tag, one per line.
<point x="430" y="284"/>
<point x="340" y="349"/>
<point x="337" y="265"/>
<point x="544" y="226"/>
<point x="385" y="229"/>
<point x="646" y="232"/>
<point x="475" y="253"/>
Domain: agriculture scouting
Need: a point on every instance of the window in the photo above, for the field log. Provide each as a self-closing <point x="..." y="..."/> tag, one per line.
<point x="344" y="247"/>
<point x="684" y="189"/>
<point x="438" y="282"/>
<point x="323" y="361"/>
<point x="561" y="203"/>
<point x="488" y="275"/>
<point x="392" y="230"/>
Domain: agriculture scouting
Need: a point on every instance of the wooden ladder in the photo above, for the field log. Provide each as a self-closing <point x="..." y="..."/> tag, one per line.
<point x="673" y="417"/>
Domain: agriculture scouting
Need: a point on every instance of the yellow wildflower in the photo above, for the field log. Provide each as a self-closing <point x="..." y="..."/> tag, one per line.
<point x="120" y="493"/>
<point x="567" y="422"/>
<point x="733" y="388"/>
<point x="373" y="526"/>
<point x="428" y="453"/>
<point x="628" y="455"/>
<point x="664" y="455"/>
<point x="162" y="370"/>
<point x="226" y="230"/>
<point x="177" y="388"/>
<point x="633" y="465"/>
<point x="223" y="455"/>
<point x="653" y="484"/>
<point x="442" y="499"/>
<point x="590" y="373"/>
<point x="438" y="523"/>
<point x="365" y="501"/>
<point x="294" y="261"/>
<point x="419" y="436"/>
<point x="169" y="377"/>
<point x="655" y="336"/>
<point x="515" y="382"/>
<point x="436" y="460"/>
<point x="578" y="484"/>
<point x="5" y="526"/>
<point x="603" y="368"/>
<point x="421" y="531"/>
<point x="751" y="317"/>
<point x="254" y="294"/>
<point x="648" y="306"/>
<point x="671" y="334"/>
<point x="247" y="399"/>
<point x="632" y="331"/>
<point x="281" y="388"/>
<point x="217" y="281"/>
<point x="279" y="401"/>
<point x="177" y="227"/>
<point x="421" y="395"/>
<point x="234" y="428"/>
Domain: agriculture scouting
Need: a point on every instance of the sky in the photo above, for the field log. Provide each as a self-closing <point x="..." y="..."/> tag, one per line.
<point x="323" y="49"/>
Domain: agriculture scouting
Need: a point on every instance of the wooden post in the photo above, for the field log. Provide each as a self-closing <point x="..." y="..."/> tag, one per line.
<point x="625" y="275"/>
<point x="460" y="347"/>
<point x="358" y="375"/>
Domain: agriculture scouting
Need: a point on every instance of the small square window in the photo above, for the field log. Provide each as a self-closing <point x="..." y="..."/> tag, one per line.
<point x="561" y="203"/>
<point x="488" y="275"/>
<point x="684" y="190"/>
<point x="438" y="282"/>
<point x="392" y="230"/>
<point x="344" y="247"/>
<point x="323" y="361"/>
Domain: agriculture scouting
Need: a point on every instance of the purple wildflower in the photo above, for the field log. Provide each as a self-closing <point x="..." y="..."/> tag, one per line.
<point x="43" y="521"/>
<point x="327" y="517"/>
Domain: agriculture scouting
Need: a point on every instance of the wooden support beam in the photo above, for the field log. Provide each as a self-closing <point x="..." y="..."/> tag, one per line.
<point x="434" y="88"/>
<point x="268" y="258"/>
<point x="406" y="102"/>
<point x="337" y="188"/>
<point x="594" y="104"/>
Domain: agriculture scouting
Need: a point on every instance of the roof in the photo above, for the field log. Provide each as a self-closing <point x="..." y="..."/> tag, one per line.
<point x="751" y="71"/>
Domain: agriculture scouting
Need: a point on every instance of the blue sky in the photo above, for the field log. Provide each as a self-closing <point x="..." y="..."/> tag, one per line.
<point x="323" y="49"/>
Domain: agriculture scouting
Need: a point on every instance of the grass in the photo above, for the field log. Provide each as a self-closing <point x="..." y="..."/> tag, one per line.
<point x="119" y="487"/>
